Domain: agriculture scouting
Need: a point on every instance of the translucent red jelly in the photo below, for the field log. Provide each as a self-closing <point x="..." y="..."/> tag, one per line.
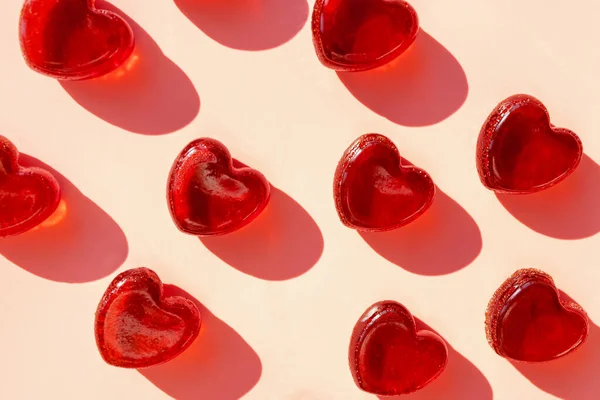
<point x="136" y="327"/>
<point x="357" y="35"/>
<point x="72" y="40"/>
<point x="208" y="196"/>
<point x="28" y="196"/>
<point x="519" y="151"/>
<point x="526" y="319"/>
<point x="389" y="357"/>
<point x="373" y="191"/>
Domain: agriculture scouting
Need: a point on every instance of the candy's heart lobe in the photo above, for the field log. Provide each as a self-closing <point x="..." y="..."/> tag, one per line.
<point x="389" y="357"/>
<point x="358" y="35"/>
<point x="72" y="40"/>
<point x="208" y="196"/>
<point x="28" y="196"/>
<point x="137" y="327"/>
<point x="373" y="191"/>
<point x="520" y="152"/>
<point x="526" y="319"/>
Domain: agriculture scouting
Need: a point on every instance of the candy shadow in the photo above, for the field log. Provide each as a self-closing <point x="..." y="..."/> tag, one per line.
<point x="247" y="24"/>
<point x="572" y="377"/>
<point x="423" y="86"/>
<point x="461" y="380"/>
<point x="82" y="245"/>
<point x="443" y="240"/>
<point x="149" y="94"/>
<point x="567" y="211"/>
<point x="282" y="243"/>
<point x="218" y="365"/>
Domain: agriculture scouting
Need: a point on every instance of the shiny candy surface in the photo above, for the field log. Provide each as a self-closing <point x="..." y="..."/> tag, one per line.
<point x="388" y="356"/>
<point x="208" y="195"/>
<point x="357" y="35"/>
<point x="519" y="151"/>
<point x="527" y="320"/>
<point x="28" y="196"/>
<point x="137" y="327"/>
<point x="374" y="191"/>
<point x="72" y="40"/>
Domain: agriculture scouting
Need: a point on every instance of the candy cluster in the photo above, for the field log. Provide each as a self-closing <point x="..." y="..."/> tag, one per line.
<point x="209" y="193"/>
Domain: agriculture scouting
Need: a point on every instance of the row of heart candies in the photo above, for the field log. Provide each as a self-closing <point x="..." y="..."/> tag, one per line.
<point x="390" y="353"/>
<point x="209" y="193"/>
<point x="73" y="40"/>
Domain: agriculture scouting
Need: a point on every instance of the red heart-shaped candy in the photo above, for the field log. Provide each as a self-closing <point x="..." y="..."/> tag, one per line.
<point x="389" y="357"/>
<point x="208" y="196"/>
<point x="28" y="196"/>
<point x="519" y="151"/>
<point x="526" y="320"/>
<point x="137" y="327"/>
<point x="373" y="191"/>
<point x="357" y="35"/>
<point x="72" y="40"/>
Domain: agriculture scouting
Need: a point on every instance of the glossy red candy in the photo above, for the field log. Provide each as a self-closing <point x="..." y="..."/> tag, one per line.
<point x="389" y="357"/>
<point x="28" y="196"/>
<point x="72" y="40"/>
<point x="137" y="327"/>
<point x="208" y="196"/>
<point x="374" y="191"/>
<point x="526" y="319"/>
<point x="357" y="35"/>
<point x="519" y="151"/>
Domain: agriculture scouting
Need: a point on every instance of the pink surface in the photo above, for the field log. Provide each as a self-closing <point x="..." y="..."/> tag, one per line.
<point x="280" y="298"/>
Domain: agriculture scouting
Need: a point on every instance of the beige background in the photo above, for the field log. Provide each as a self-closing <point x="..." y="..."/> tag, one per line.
<point x="284" y="294"/>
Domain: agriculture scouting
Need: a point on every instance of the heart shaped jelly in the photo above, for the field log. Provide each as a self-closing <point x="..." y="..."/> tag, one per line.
<point x="137" y="327"/>
<point x="373" y="191"/>
<point x="526" y="320"/>
<point x="519" y="151"/>
<point x="72" y="40"/>
<point x="28" y="196"/>
<point x="357" y="35"/>
<point x="389" y="357"/>
<point x="208" y="196"/>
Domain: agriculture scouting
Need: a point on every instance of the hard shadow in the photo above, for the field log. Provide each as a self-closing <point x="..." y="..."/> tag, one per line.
<point x="572" y="377"/>
<point x="247" y="24"/>
<point x="219" y="365"/>
<point x="282" y="243"/>
<point x="461" y="380"/>
<point x="149" y="94"/>
<point x="443" y="240"/>
<point x="568" y="210"/>
<point x="423" y="86"/>
<point x="78" y="243"/>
